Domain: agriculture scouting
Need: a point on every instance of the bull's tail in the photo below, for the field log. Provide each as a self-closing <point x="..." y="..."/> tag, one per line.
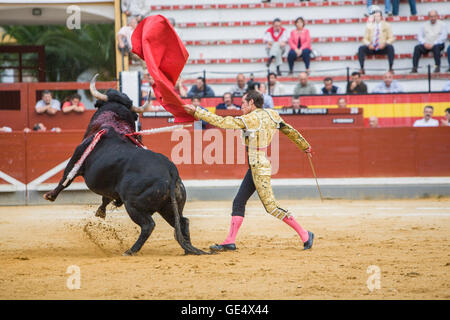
<point x="188" y="247"/>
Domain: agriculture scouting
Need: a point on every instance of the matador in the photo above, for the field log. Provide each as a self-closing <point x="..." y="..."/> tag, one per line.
<point x="259" y="126"/>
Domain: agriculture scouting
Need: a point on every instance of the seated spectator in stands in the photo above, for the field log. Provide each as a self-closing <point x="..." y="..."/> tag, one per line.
<point x="276" y="88"/>
<point x="268" y="101"/>
<point x="5" y="129"/>
<point x="227" y="103"/>
<point x="356" y="85"/>
<point x="200" y="89"/>
<point x="303" y="87"/>
<point x="342" y="103"/>
<point x="446" y="87"/>
<point x="137" y="8"/>
<point x="396" y="5"/>
<point x="378" y="39"/>
<point x="329" y="88"/>
<point x="388" y="85"/>
<point x="446" y="122"/>
<point x="432" y="37"/>
<point x="427" y="120"/>
<point x="240" y="88"/>
<point x="300" y="45"/>
<point x="39" y="127"/>
<point x="276" y="38"/>
<point x="47" y="104"/>
<point x="180" y="88"/>
<point x="124" y="35"/>
<point x="296" y="103"/>
<point x="373" y="122"/>
<point x="74" y="104"/>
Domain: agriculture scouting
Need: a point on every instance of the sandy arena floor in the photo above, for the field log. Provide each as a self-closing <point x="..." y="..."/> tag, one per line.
<point x="407" y="240"/>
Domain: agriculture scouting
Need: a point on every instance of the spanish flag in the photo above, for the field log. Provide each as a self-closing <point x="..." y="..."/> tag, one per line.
<point x="155" y="41"/>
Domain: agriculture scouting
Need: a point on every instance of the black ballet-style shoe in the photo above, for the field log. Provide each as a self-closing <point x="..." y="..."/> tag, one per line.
<point x="223" y="247"/>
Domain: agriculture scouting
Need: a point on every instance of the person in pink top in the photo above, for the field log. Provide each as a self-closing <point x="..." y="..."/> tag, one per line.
<point x="300" y="44"/>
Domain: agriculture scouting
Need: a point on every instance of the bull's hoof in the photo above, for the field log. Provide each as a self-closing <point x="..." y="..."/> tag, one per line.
<point x="128" y="253"/>
<point x="49" y="196"/>
<point x="100" y="213"/>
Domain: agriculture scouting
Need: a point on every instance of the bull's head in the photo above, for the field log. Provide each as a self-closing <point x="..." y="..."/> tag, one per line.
<point x="104" y="97"/>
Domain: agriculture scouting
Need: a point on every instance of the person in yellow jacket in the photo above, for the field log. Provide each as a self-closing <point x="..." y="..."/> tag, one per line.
<point x="258" y="125"/>
<point x="378" y="39"/>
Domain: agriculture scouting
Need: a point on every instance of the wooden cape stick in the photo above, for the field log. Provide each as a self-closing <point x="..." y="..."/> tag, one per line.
<point x="315" y="176"/>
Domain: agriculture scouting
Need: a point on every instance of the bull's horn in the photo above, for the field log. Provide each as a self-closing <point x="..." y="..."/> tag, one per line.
<point x="141" y="108"/>
<point x="95" y="93"/>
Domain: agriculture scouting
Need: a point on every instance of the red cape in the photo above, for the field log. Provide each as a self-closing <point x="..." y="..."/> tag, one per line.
<point x="155" y="41"/>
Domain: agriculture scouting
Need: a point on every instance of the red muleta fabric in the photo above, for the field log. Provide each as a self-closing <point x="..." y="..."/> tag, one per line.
<point x="155" y="41"/>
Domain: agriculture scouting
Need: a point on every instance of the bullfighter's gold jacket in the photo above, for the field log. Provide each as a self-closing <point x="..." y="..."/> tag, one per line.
<point x="259" y="127"/>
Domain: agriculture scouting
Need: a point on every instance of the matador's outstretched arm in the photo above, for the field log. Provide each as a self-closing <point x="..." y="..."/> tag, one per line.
<point x="294" y="136"/>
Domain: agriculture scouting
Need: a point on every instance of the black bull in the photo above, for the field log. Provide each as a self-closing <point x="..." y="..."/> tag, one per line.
<point x="117" y="169"/>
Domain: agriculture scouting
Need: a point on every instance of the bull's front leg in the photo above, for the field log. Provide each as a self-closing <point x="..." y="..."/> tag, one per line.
<point x="65" y="181"/>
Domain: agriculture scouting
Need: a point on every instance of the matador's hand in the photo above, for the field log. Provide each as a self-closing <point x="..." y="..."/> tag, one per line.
<point x="309" y="150"/>
<point x="189" y="108"/>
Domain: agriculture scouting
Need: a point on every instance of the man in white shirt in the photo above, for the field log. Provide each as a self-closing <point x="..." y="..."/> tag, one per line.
<point x="276" y="39"/>
<point x="432" y="37"/>
<point x="276" y="88"/>
<point x="124" y="35"/>
<point x="389" y="85"/>
<point x="47" y="104"/>
<point x="427" y="120"/>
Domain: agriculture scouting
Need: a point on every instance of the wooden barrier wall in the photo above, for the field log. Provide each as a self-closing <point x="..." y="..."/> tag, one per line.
<point x="338" y="153"/>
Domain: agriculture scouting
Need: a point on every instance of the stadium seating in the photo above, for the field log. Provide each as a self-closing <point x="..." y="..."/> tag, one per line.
<point x="224" y="38"/>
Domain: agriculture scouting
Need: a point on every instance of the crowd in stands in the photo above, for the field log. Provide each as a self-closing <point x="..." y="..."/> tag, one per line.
<point x="48" y="105"/>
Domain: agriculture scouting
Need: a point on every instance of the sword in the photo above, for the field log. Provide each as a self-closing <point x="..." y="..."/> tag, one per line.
<point x="315" y="176"/>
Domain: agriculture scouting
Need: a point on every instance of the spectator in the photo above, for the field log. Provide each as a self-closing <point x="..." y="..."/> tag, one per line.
<point x="446" y="87"/>
<point x="276" y="88"/>
<point x="427" y="120"/>
<point x="124" y="35"/>
<point x="227" y="103"/>
<point x="198" y="124"/>
<point x="5" y="129"/>
<point x="432" y="37"/>
<point x="137" y="8"/>
<point x="356" y="85"/>
<point x="240" y="88"/>
<point x="180" y="88"/>
<point x="378" y="39"/>
<point x="276" y="38"/>
<point x="200" y="89"/>
<point x="146" y="87"/>
<point x="446" y="122"/>
<point x="296" y="103"/>
<point x="329" y="88"/>
<point x="303" y="87"/>
<point x="371" y="8"/>
<point x="342" y="103"/>
<point x="373" y="122"/>
<point x="39" y="127"/>
<point x="268" y="101"/>
<point x="74" y="104"/>
<point x="300" y="45"/>
<point x="396" y="4"/>
<point x="47" y="104"/>
<point x="388" y="85"/>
